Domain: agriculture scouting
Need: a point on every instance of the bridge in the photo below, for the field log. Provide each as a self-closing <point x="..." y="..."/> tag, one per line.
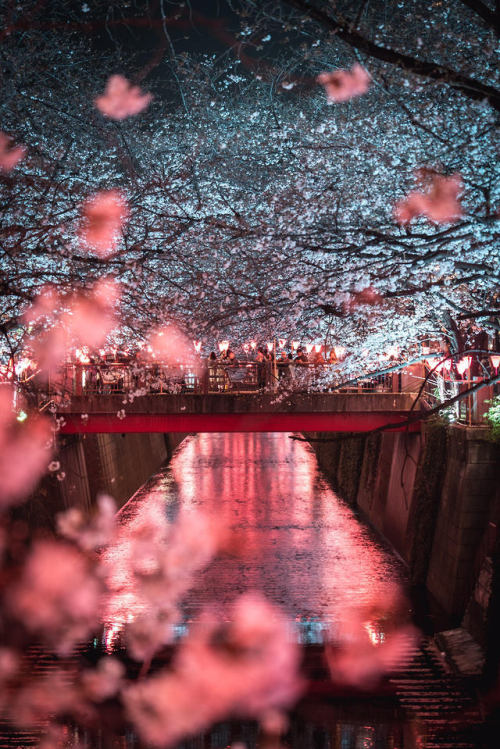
<point x="242" y="412"/>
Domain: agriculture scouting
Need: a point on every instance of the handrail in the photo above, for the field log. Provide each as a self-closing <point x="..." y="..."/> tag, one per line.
<point x="131" y="379"/>
<point x="217" y="377"/>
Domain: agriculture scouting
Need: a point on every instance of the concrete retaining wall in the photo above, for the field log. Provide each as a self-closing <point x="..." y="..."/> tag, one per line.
<point x="113" y="463"/>
<point x="435" y="496"/>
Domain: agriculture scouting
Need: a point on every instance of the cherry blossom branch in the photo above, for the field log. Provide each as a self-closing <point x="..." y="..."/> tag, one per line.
<point x="470" y="87"/>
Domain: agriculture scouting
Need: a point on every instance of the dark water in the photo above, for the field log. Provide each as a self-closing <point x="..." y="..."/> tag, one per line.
<point x="301" y="546"/>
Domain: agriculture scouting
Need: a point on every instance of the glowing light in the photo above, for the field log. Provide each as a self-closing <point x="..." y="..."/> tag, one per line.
<point x="82" y="355"/>
<point x="376" y="635"/>
<point x="22" y="416"/>
<point x="339" y="352"/>
<point x="432" y="364"/>
<point x="197" y="346"/>
<point x="309" y="347"/>
<point x="495" y="361"/>
<point x="270" y="346"/>
<point x="223" y="346"/>
<point x="111" y="636"/>
<point x="318" y="347"/>
<point x="246" y="348"/>
<point x="295" y="345"/>
<point x="253" y="345"/>
<point x="464" y="364"/>
<point x="22" y="365"/>
<point x="282" y="342"/>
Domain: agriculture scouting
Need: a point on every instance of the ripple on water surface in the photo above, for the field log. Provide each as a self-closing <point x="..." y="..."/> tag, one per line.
<point x="302" y="546"/>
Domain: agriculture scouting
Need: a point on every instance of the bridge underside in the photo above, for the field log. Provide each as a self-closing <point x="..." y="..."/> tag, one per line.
<point x="354" y="421"/>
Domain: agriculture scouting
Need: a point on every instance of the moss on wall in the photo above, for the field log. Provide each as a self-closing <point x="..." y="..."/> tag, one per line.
<point x="371" y="457"/>
<point x="349" y="472"/>
<point x="426" y="498"/>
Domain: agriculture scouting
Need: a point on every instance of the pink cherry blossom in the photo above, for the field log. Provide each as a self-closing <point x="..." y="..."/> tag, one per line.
<point x="89" y="534"/>
<point x="54" y="738"/>
<point x="121" y="99"/>
<point x="342" y="85"/>
<point x="10" y="155"/>
<point x="169" y="345"/>
<point x="371" y="640"/>
<point x="103" y="218"/>
<point x="149" y="567"/>
<point x="245" y="665"/>
<point x="58" y="597"/>
<point x="104" y="681"/>
<point x="439" y="202"/>
<point x="149" y="632"/>
<point x="44" y="305"/>
<point x="41" y="698"/>
<point x="24" y="451"/>
<point x="83" y="319"/>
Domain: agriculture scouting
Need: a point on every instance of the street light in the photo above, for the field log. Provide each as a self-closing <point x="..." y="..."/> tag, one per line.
<point x="340" y="352"/>
<point x="495" y="362"/>
<point x="197" y="346"/>
<point x="464" y="364"/>
<point x="223" y="346"/>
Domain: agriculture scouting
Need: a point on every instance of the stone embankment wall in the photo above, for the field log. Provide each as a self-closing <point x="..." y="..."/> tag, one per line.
<point x="117" y="464"/>
<point x="435" y="497"/>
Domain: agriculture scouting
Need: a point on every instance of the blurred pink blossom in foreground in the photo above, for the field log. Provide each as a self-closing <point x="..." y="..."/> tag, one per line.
<point x="24" y="451"/>
<point x="149" y="568"/>
<point x="58" y="595"/>
<point x="103" y="218"/>
<point x="10" y="155"/>
<point x="105" y="681"/>
<point x="439" y="202"/>
<point x="342" y="85"/>
<point x="83" y="319"/>
<point x="39" y="698"/>
<point x="371" y="641"/>
<point x="89" y="534"/>
<point x="121" y="99"/>
<point x="245" y="666"/>
<point x="169" y="345"/>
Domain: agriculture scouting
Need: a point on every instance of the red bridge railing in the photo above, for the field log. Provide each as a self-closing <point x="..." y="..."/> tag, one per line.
<point x="247" y="377"/>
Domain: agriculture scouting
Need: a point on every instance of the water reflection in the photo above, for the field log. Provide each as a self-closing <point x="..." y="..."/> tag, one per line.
<point x="298" y="542"/>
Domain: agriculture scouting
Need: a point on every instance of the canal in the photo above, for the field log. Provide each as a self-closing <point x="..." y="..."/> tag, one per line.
<point x="297" y="543"/>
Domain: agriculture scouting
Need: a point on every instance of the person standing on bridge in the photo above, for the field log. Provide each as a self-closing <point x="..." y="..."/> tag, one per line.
<point x="260" y="358"/>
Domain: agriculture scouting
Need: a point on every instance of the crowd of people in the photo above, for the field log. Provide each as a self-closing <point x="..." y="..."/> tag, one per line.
<point x="262" y="368"/>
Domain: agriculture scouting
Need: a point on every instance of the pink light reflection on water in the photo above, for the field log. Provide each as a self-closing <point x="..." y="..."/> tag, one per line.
<point x="298" y="542"/>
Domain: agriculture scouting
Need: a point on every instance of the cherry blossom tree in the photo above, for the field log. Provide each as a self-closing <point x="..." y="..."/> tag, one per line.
<point x="258" y="209"/>
<point x="325" y="175"/>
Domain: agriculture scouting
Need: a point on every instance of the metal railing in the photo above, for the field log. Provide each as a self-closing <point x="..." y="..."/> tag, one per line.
<point x="216" y="377"/>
